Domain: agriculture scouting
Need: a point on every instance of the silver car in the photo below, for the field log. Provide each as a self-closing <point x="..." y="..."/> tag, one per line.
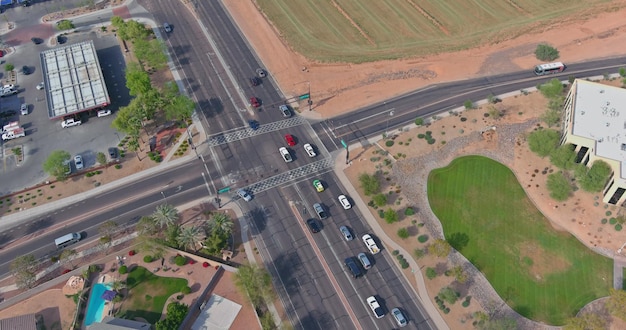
<point x="365" y="261"/>
<point x="244" y="195"/>
<point x="346" y="233"/>
<point x="399" y="317"/>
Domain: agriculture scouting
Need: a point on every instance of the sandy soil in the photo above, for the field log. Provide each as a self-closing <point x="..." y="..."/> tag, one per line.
<point x="336" y="88"/>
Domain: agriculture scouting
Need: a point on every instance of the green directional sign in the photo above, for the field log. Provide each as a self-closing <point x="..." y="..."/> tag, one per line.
<point x="304" y="96"/>
<point x="223" y="190"/>
<point x="343" y="143"/>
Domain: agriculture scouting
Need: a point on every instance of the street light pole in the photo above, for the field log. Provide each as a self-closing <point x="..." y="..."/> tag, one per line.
<point x="164" y="198"/>
<point x="309" y="100"/>
<point x="387" y="128"/>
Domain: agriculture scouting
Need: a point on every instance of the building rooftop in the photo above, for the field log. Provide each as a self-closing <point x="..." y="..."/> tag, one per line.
<point x="73" y="80"/>
<point x="600" y="114"/>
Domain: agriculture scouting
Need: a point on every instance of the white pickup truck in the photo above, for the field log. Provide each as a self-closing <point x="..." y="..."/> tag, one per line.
<point x="70" y="122"/>
<point x="370" y="243"/>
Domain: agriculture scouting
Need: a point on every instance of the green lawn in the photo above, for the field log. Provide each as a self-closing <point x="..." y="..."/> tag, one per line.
<point x="543" y="274"/>
<point x="148" y="294"/>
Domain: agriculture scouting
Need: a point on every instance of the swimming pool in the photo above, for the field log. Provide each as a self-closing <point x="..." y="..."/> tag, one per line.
<point x="95" y="308"/>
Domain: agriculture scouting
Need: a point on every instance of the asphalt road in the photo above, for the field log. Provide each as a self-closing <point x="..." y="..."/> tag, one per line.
<point x="401" y="111"/>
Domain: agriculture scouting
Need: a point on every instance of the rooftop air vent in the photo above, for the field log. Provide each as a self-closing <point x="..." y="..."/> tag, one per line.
<point x="602" y="91"/>
<point x="623" y="146"/>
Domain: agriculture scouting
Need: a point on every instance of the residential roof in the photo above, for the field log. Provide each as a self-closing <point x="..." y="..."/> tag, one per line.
<point x="218" y="313"/>
<point x="113" y="323"/>
<point x="73" y="79"/>
<point x="22" y="322"/>
<point x="600" y="114"/>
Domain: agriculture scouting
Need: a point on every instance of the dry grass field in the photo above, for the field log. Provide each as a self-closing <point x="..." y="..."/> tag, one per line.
<point x="364" y="31"/>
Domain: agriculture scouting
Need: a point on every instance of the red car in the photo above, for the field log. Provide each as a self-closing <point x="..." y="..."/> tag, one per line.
<point x="290" y="140"/>
<point x="255" y="102"/>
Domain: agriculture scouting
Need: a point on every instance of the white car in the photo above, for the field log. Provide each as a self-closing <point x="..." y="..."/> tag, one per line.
<point x="167" y="27"/>
<point x="104" y="113"/>
<point x="9" y="86"/>
<point x="285" y="154"/>
<point x="24" y="109"/>
<point x="309" y="150"/>
<point x="371" y="245"/>
<point x="78" y="162"/>
<point x="344" y="202"/>
<point x="244" y="195"/>
<point x="40" y="86"/>
<point x="375" y="307"/>
<point x="70" y="122"/>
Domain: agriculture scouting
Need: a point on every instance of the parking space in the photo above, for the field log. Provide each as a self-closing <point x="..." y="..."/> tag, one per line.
<point x="44" y="135"/>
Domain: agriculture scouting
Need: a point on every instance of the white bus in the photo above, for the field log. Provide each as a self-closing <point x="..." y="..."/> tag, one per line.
<point x="549" y="68"/>
<point x="66" y="240"/>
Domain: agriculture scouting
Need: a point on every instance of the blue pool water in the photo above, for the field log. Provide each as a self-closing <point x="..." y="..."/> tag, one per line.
<point x="96" y="304"/>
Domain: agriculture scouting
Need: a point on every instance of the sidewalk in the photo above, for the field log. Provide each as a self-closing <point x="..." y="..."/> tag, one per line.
<point x="420" y="291"/>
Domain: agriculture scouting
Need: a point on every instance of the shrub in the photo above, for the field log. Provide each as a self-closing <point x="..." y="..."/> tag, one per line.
<point x="380" y="200"/>
<point x="468" y="104"/>
<point x="618" y="227"/>
<point x="421" y="136"/>
<point x="403" y="233"/>
<point x="205" y="264"/>
<point x="419" y="121"/>
<point x="389" y="143"/>
<point x="131" y="253"/>
<point x="148" y="259"/>
<point x="185" y="290"/>
<point x="431" y="273"/>
<point x="409" y="211"/>
<point x="180" y="260"/>
<point x="395" y="252"/>
<point x="65" y="271"/>
<point x="545" y="52"/>
<point x="123" y="270"/>
<point x="118" y="166"/>
<point x="419" y="253"/>
<point x="422" y="238"/>
<point x="603" y="221"/>
<point x="612" y="221"/>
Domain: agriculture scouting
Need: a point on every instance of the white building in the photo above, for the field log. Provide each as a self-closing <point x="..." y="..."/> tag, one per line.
<point x="595" y="123"/>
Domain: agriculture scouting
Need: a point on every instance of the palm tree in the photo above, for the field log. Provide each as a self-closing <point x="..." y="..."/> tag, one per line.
<point x="190" y="237"/>
<point x="146" y="227"/>
<point x="222" y="223"/>
<point x="165" y="215"/>
<point x="118" y="285"/>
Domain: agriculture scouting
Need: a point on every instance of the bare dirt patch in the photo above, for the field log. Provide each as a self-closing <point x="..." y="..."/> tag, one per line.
<point x="539" y="263"/>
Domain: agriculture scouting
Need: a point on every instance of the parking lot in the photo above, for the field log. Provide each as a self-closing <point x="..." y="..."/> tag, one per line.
<point x="44" y="135"/>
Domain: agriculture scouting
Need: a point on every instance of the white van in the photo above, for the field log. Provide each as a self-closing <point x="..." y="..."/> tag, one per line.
<point x="66" y="240"/>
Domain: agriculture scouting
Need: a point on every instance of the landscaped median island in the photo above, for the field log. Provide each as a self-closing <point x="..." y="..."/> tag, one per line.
<point x="543" y="274"/>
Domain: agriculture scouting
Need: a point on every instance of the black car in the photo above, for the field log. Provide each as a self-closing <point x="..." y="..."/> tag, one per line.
<point x="60" y="39"/>
<point x="36" y="41"/>
<point x="113" y="153"/>
<point x="255" y="81"/>
<point x="313" y="226"/>
<point x="253" y="124"/>
<point x="25" y="70"/>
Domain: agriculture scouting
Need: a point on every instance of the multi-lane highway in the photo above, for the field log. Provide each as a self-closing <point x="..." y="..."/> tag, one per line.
<point x="215" y="63"/>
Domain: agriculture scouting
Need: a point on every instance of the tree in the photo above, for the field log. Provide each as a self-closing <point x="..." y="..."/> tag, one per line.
<point x="616" y="304"/>
<point x="133" y="144"/>
<point x="622" y="72"/>
<point x="68" y="255"/>
<point x="117" y="286"/>
<point x="117" y="22"/>
<point x="545" y="52"/>
<point x="543" y="142"/>
<point x="221" y="223"/>
<point x="215" y="243"/>
<point x="136" y="30"/>
<point x="559" y="186"/>
<point x="419" y="121"/>
<point x="108" y="228"/>
<point x="65" y="25"/>
<point x="439" y="248"/>
<point x="497" y="324"/>
<point x="564" y="157"/>
<point x="586" y="321"/>
<point x="56" y="164"/>
<point x="101" y="158"/>
<point x="596" y="177"/>
<point x="155" y="57"/>
<point x="137" y="80"/>
<point x="255" y="283"/>
<point x="380" y="200"/>
<point x="172" y="232"/>
<point x="552" y="89"/>
<point x="23" y="269"/>
<point x="174" y="318"/>
<point x="17" y="151"/>
<point x="431" y="273"/>
<point x="165" y="215"/>
<point x="9" y="67"/>
<point x="146" y="226"/>
<point x="369" y="184"/>
<point x="190" y="237"/>
<point x="179" y="108"/>
<point x="390" y="216"/>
